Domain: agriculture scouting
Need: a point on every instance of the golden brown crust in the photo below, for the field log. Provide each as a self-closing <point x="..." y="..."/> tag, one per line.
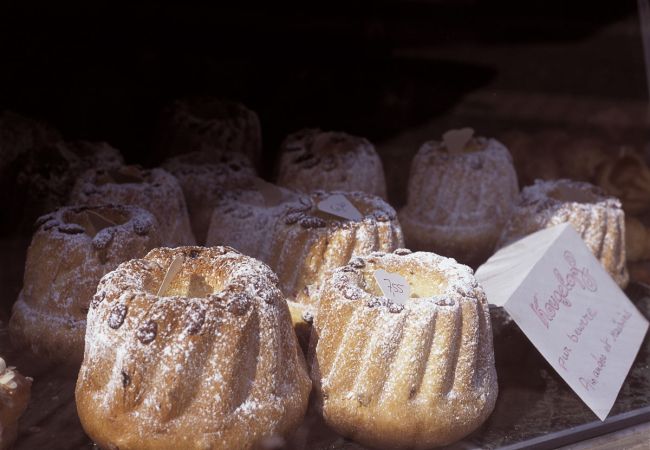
<point x="396" y="376"/>
<point x="69" y="253"/>
<point x="213" y="363"/>
<point x="312" y="159"/>
<point x="458" y="203"/>
<point x="155" y="190"/>
<point x="14" y="397"/>
<point x="308" y="242"/>
<point x="598" y="219"/>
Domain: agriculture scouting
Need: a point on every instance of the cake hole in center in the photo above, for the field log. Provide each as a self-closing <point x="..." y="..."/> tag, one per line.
<point x="95" y="220"/>
<point x="123" y="175"/>
<point x="422" y="285"/>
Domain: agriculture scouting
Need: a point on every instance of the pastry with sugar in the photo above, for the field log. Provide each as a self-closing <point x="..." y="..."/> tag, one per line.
<point x="461" y="192"/>
<point x="212" y="126"/>
<point x="14" y="397"/>
<point x="204" y="179"/>
<point x="155" y="190"/>
<point x="308" y="241"/>
<point x="190" y="348"/>
<point x="411" y="374"/>
<point x="312" y="160"/>
<point x="245" y="218"/>
<point x="71" y="250"/>
<point x="598" y="219"/>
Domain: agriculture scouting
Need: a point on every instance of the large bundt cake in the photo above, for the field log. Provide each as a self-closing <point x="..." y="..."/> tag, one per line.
<point x="597" y="218"/>
<point x="403" y="376"/>
<point x="307" y="242"/>
<point x="312" y="159"/>
<point x="204" y="178"/>
<point x="459" y="201"/>
<point x="210" y="125"/>
<point x="14" y="397"/>
<point x="70" y="252"/>
<point x="209" y="362"/>
<point x="155" y="190"/>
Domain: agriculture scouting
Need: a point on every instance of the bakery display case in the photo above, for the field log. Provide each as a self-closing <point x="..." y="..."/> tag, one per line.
<point x="228" y="226"/>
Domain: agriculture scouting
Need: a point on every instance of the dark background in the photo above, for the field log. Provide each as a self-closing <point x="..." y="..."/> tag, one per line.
<point x="103" y="71"/>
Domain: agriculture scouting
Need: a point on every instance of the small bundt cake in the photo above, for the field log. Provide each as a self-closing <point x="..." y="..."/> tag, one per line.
<point x="627" y="177"/>
<point x="14" y="397"/>
<point x="70" y="252"/>
<point x="41" y="179"/>
<point x="403" y="376"/>
<point x="307" y="242"/>
<point x="245" y="218"/>
<point x="458" y="202"/>
<point x="209" y="362"/>
<point x="204" y="181"/>
<point x="597" y="218"/>
<point x="312" y="159"/>
<point x="210" y="125"/>
<point x="155" y="190"/>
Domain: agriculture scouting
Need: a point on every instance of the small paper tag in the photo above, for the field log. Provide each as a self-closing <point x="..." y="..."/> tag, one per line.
<point x="393" y="285"/>
<point x="340" y="206"/>
<point x="172" y="271"/>
<point x="272" y="194"/>
<point x="569" y="307"/>
<point x="456" y="140"/>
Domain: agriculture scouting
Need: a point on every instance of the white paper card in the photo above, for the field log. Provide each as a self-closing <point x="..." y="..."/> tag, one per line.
<point x="456" y="140"/>
<point x="172" y="271"/>
<point x="272" y="194"/>
<point x="574" y="313"/>
<point x="340" y="206"/>
<point x="393" y="286"/>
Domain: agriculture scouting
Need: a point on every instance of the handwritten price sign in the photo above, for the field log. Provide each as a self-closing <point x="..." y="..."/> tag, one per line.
<point x="393" y="286"/>
<point x="339" y="206"/>
<point x="571" y="310"/>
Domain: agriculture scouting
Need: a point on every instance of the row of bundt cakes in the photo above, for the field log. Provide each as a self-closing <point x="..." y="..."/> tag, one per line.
<point x="213" y="362"/>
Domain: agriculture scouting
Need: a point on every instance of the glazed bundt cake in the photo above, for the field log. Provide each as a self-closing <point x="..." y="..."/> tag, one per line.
<point x="209" y="362"/>
<point x="307" y="242"/>
<point x="312" y="160"/>
<point x="403" y="376"/>
<point x="71" y="250"/>
<point x="204" y="178"/>
<point x="459" y="201"/>
<point x="156" y="190"/>
<point x="597" y="218"/>
<point x="210" y="125"/>
<point x="14" y="397"/>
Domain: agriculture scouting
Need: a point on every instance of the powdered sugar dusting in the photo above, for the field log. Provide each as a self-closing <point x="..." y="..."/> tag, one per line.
<point x="182" y="378"/>
<point x="312" y="159"/>
<point x="598" y="219"/>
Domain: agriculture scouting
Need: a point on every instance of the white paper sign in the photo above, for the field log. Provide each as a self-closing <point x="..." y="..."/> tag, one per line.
<point x="340" y="206"/>
<point x="574" y="313"/>
<point x="393" y="285"/>
<point x="272" y="194"/>
<point x="456" y="140"/>
<point x="172" y="271"/>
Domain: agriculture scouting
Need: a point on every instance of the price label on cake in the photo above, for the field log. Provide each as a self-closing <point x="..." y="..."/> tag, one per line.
<point x="340" y="206"/>
<point x="393" y="286"/>
<point x="569" y="307"/>
<point x="456" y="140"/>
<point x="172" y="271"/>
<point x="272" y="194"/>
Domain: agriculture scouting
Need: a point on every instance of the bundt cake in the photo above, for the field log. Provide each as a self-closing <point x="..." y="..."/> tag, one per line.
<point x="597" y="218"/>
<point x="155" y="190"/>
<point x="627" y="177"/>
<point x="204" y="181"/>
<point x="312" y="159"/>
<point x="203" y="359"/>
<point x="40" y="180"/>
<point x="71" y="250"/>
<point x="245" y="218"/>
<point x="409" y="375"/>
<point x="14" y="397"/>
<point x="210" y="125"/>
<point x="307" y="242"/>
<point x="459" y="201"/>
